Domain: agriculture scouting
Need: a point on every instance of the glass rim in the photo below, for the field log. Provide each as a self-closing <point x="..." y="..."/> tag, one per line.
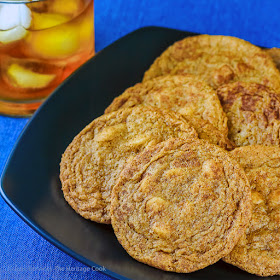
<point x="20" y="1"/>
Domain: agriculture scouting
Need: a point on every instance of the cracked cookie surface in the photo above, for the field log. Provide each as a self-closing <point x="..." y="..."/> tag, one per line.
<point x="218" y="60"/>
<point x="184" y="94"/>
<point x="92" y="162"/>
<point x="258" y="250"/>
<point x="253" y="113"/>
<point x="180" y="205"/>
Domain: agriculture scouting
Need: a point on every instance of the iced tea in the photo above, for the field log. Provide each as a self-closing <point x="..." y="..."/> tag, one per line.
<point x="41" y="43"/>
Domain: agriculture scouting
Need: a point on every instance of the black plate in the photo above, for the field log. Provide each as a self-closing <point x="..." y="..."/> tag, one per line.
<point x="30" y="183"/>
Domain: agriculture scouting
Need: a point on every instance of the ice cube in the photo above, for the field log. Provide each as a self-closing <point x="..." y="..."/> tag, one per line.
<point x="13" y="15"/>
<point x="22" y="77"/>
<point x="14" y="18"/>
<point x="25" y="15"/>
<point x="9" y="16"/>
<point x="11" y="35"/>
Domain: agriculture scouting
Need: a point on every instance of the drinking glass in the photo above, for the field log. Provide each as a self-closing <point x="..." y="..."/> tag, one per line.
<point x="41" y="43"/>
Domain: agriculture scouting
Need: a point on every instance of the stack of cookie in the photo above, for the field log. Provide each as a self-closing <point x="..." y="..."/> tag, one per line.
<point x="185" y="165"/>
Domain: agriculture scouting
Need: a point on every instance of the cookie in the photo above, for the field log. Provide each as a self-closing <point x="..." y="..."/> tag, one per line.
<point x="258" y="250"/>
<point x="208" y="132"/>
<point x="180" y="205"/>
<point x="184" y="94"/>
<point x="274" y="53"/>
<point x="218" y="60"/>
<point x="93" y="161"/>
<point x="253" y="113"/>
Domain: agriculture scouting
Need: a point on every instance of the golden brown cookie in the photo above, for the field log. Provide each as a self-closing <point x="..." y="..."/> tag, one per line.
<point x="180" y="205"/>
<point x="253" y="113"/>
<point x="274" y="53"/>
<point x="218" y="60"/>
<point x="258" y="250"/>
<point x="91" y="164"/>
<point x="184" y="94"/>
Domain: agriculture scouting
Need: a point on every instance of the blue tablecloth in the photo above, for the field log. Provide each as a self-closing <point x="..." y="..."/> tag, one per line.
<point x="26" y="255"/>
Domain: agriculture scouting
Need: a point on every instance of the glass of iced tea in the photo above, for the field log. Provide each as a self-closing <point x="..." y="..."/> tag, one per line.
<point x="41" y="43"/>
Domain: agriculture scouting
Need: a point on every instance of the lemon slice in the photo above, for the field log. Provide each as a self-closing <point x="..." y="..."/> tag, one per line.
<point x="47" y="20"/>
<point x="25" y="78"/>
<point x="54" y="43"/>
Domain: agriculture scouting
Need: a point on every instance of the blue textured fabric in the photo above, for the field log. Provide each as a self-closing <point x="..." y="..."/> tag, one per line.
<point x="26" y="255"/>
